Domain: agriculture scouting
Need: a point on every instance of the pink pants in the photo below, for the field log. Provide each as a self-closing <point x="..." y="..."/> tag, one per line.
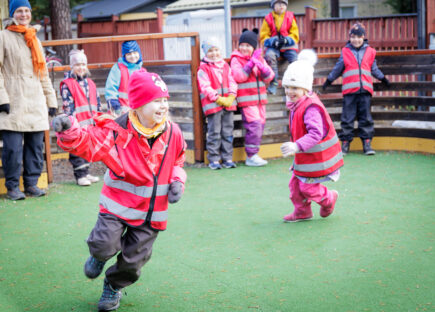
<point x="301" y="195"/>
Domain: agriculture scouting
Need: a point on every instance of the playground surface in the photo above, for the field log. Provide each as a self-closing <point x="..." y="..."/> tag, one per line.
<point x="227" y="249"/>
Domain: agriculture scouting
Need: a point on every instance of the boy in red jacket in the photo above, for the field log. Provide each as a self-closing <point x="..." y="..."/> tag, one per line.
<point x="144" y="153"/>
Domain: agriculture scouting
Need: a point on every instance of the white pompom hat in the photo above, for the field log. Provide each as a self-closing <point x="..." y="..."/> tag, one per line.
<point x="300" y="73"/>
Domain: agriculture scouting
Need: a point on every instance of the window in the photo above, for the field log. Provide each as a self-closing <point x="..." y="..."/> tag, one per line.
<point x="348" y="11"/>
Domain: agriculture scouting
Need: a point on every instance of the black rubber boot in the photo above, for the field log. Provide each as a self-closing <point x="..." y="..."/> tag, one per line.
<point x="367" y="147"/>
<point x="345" y="146"/>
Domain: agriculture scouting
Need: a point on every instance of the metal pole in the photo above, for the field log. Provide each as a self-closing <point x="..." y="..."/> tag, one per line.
<point x="228" y="36"/>
<point x="421" y="24"/>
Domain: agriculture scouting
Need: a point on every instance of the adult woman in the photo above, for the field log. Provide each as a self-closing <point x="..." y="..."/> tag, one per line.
<point x="25" y="94"/>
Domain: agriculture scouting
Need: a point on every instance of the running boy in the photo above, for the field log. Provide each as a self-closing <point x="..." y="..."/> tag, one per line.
<point x="144" y="153"/>
<point x="218" y="91"/>
<point x="279" y="35"/>
<point x="313" y="141"/>
<point x="357" y="64"/>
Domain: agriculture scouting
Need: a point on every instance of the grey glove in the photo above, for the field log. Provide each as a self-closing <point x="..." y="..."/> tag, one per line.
<point x="61" y="123"/>
<point x="5" y="108"/>
<point x="175" y="192"/>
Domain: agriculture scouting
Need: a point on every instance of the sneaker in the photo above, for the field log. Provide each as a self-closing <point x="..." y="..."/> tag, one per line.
<point x="34" y="191"/>
<point x="110" y="298"/>
<point x="367" y="147"/>
<point x="255" y="161"/>
<point x="92" y="178"/>
<point x="326" y="211"/>
<point x="93" y="267"/>
<point x="229" y="164"/>
<point x="345" y="146"/>
<point x="293" y="218"/>
<point x="15" y="194"/>
<point x="83" y="181"/>
<point x="215" y="165"/>
<point x="272" y="88"/>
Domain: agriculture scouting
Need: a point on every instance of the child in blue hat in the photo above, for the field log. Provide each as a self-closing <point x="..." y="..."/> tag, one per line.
<point x="117" y="81"/>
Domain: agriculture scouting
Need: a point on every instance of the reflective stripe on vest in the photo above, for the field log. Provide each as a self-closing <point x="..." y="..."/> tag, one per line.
<point x="249" y="85"/>
<point x="86" y="122"/>
<point x="357" y="73"/>
<point x="82" y="109"/>
<point x="250" y="98"/>
<point x="218" y="91"/>
<point x="142" y="191"/>
<point x="353" y="85"/>
<point x="319" y="166"/>
<point x="123" y="95"/>
<point x="129" y="213"/>
<point x="210" y="106"/>
<point x="323" y="146"/>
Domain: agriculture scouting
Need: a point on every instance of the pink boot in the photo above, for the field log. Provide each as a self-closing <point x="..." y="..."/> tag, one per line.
<point x="325" y="211"/>
<point x="296" y="218"/>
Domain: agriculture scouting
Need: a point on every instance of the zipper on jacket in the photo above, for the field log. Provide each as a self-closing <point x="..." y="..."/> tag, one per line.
<point x="359" y="67"/>
<point x="258" y="89"/>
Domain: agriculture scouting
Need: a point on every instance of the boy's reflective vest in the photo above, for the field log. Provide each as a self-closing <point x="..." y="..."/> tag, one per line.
<point x="252" y="92"/>
<point x="84" y="109"/>
<point x="208" y="106"/>
<point x="323" y="158"/>
<point x="285" y="27"/>
<point x="357" y="74"/>
<point x="123" y="85"/>
<point x="141" y="196"/>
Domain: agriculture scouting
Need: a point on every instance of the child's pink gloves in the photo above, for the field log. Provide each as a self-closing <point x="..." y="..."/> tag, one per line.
<point x="289" y="149"/>
<point x="257" y="54"/>
<point x="175" y="192"/>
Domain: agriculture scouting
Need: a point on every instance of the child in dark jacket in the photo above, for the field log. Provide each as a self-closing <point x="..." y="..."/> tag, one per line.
<point x="313" y="141"/>
<point x="357" y="65"/>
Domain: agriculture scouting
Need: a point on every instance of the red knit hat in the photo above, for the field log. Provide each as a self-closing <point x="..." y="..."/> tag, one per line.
<point x="145" y="87"/>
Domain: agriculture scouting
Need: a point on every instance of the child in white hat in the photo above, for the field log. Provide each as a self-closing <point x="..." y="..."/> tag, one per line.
<point x="80" y="99"/>
<point x="313" y="141"/>
<point x="218" y="90"/>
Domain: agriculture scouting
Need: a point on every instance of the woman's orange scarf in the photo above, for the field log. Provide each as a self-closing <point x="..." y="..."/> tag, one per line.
<point x="38" y="59"/>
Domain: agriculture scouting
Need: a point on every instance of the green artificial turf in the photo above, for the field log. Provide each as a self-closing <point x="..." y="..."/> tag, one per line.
<point x="227" y="249"/>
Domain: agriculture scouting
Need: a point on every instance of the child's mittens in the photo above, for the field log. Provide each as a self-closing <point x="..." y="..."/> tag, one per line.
<point x="386" y="82"/>
<point x="269" y="42"/>
<point x="175" y="192"/>
<point x="226" y="101"/>
<point x="289" y="149"/>
<point x="289" y="41"/>
<point x="61" y="123"/>
<point x="114" y="104"/>
<point x="248" y="66"/>
<point x="257" y="54"/>
<point x="326" y="84"/>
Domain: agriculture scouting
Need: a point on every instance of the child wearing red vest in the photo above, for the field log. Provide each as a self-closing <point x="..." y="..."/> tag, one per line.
<point x="117" y="81"/>
<point x="357" y="65"/>
<point x="313" y="141"/>
<point x="279" y="35"/>
<point x="80" y="99"/>
<point x="218" y="90"/>
<point x="144" y="153"/>
<point x="252" y="73"/>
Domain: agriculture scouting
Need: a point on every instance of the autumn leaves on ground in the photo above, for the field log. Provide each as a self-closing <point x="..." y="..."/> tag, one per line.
<point x="227" y="249"/>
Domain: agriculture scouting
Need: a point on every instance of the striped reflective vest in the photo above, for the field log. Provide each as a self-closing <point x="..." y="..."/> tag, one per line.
<point x="252" y="92"/>
<point x="285" y="27"/>
<point x="84" y="108"/>
<point x="323" y="158"/>
<point x="209" y="107"/>
<point x="141" y="196"/>
<point x="123" y="85"/>
<point x="357" y="74"/>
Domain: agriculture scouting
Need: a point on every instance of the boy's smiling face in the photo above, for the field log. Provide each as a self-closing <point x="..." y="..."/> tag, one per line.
<point x="132" y="57"/>
<point x="279" y="7"/>
<point x="153" y="113"/>
<point x="356" y="41"/>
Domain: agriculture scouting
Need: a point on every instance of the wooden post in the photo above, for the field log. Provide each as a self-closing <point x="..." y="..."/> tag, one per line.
<point x="160" y="30"/>
<point x="430" y="20"/>
<point x="310" y="15"/>
<point x="198" y="123"/>
<point x="114" y="33"/>
<point x="48" y="156"/>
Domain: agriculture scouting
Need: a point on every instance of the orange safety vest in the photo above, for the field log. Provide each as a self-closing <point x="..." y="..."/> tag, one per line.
<point x="84" y="108"/>
<point x="356" y="75"/>
<point x="123" y="85"/>
<point x="141" y="196"/>
<point x="285" y="27"/>
<point x="208" y="106"/>
<point x="323" y="158"/>
<point x="252" y="92"/>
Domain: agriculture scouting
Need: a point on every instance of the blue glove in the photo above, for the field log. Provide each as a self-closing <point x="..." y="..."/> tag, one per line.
<point x="269" y="42"/>
<point x="114" y="104"/>
<point x="289" y="41"/>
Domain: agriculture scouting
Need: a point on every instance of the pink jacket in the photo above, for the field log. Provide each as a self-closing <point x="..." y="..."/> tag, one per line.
<point x="204" y="80"/>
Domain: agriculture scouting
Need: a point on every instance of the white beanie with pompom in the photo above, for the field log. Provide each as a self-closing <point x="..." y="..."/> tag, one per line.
<point x="300" y="73"/>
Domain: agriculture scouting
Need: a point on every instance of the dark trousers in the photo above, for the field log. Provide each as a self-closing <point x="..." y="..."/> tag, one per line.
<point x="272" y="56"/>
<point x="220" y="127"/>
<point x="16" y="155"/>
<point x="356" y="106"/>
<point x="80" y="166"/>
<point x="134" y="244"/>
